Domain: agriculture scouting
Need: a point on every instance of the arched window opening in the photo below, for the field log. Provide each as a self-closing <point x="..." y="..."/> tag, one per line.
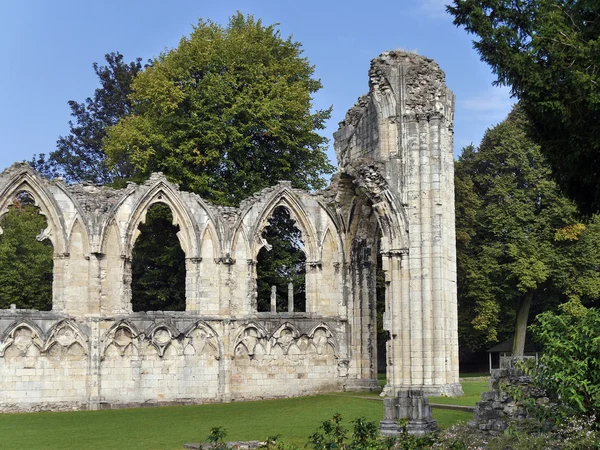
<point x="281" y="266"/>
<point x="26" y="257"/>
<point x="158" y="264"/>
<point x="382" y="335"/>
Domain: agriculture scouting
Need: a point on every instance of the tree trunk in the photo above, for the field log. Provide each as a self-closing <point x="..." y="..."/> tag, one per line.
<point x="521" y="327"/>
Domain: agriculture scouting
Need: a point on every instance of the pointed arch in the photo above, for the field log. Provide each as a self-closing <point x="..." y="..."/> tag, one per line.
<point x="249" y="336"/>
<point x="296" y="332"/>
<point x="209" y="242"/>
<point x="162" y="335"/>
<point x="10" y="335"/>
<point x="121" y="341"/>
<point x="78" y="238"/>
<point x="28" y="181"/>
<point x="331" y="242"/>
<point x="328" y="334"/>
<point x="66" y="333"/>
<point x="391" y="215"/>
<point x="286" y="197"/>
<point x="163" y="192"/>
<point x="211" y="335"/>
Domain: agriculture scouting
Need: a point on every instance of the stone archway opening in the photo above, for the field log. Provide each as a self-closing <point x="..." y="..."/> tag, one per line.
<point x="158" y="264"/>
<point x="26" y="256"/>
<point x="281" y="266"/>
<point x="381" y="335"/>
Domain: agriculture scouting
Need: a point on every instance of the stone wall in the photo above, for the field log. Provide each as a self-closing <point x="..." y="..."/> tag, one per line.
<point x="497" y="408"/>
<point x="395" y="179"/>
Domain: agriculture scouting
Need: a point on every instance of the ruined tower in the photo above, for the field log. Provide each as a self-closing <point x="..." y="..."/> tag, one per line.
<point x="395" y="155"/>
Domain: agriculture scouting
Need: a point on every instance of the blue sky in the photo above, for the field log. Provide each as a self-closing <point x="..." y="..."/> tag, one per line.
<point x="48" y="48"/>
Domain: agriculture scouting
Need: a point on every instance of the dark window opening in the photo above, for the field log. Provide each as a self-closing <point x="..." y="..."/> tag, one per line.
<point x="26" y="263"/>
<point x="158" y="264"/>
<point x="282" y="264"/>
<point x="382" y="335"/>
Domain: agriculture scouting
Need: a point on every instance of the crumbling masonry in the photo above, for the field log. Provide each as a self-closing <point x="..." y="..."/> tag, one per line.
<point x="395" y="179"/>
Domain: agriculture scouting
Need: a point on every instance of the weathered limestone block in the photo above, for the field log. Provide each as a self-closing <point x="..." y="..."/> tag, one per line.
<point x="411" y="406"/>
<point x="497" y="408"/>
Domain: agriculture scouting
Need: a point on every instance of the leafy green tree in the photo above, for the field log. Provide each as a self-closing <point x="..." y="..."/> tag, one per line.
<point x="467" y="204"/>
<point x="158" y="264"/>
<point x="26" y="264"/>
<point x="528" y="249"/>
<point x="569" y="365"/>
<point x="282" y="263"/>
<point x="79" y="156"/>
<point x="548" y="52"/>
<point x="225" y="114"/>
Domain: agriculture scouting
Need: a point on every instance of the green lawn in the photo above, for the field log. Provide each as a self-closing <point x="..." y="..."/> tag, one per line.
<point x="472" y="390"/>
<point x="170" y="427"/>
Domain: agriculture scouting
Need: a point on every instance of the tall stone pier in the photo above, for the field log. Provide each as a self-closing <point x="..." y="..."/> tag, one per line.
<point x="395" y="156"/>
<point x="392" y="202"/>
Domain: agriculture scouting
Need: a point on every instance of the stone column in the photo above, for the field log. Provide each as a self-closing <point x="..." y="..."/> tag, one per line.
<point x="290" y="297"/>
<point x="192" y="284"/>
<point x="273" y="299"/>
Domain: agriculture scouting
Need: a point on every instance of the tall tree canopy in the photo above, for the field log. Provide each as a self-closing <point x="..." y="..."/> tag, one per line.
<point x="226" y="113"/>
<point x="80" y="156"/>
<point x="521" y="242"/>
<point x="548" y="52"/>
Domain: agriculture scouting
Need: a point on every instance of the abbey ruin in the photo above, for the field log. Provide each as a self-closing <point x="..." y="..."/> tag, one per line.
<point x="395" y="180"/>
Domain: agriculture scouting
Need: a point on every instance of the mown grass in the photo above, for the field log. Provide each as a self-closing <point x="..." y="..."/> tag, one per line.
<point x="170" y="427"/>
<point x="472" y="390"/>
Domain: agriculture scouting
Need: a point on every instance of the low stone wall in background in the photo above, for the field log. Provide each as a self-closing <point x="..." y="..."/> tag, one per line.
<point x="497" y="407"/>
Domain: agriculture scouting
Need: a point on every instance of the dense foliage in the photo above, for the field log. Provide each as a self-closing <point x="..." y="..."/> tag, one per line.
<point x="521" y="243"/>
<point x="281" y="262"/>
<point x="569" y="365"/>
<point x="225" y="114"/>
<point x="26" y="264"/>
<point x="158" y="264"/>
<point x="548" y="52"/>
<point x="80" y="156"/>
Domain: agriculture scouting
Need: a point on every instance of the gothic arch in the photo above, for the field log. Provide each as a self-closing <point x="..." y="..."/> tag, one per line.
<point x="130" y="338"/>
<point x="162" y="335"/>
<point x="162" y="192"/>
<point x="389" y="211"/>
<point x="334" y="237"/>
<point x="66" y="333"/>
<point x="211" y="334"/>
<point x="28" y="181"/>
<point x="249" y="336"/>
<point x="210" y="232"/>
<point x="37" y="335"/>
<point x="79" y="225"/>
<point x="284" y="196"/>
<point x="328" y="334"/>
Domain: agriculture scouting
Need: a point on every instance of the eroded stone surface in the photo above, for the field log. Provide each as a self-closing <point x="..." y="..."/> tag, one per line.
<point x="395" y="178"/>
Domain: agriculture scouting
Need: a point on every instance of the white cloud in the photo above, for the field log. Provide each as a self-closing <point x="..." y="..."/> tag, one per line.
<point x="494" y="101"/>
<point x="434" y="9"/>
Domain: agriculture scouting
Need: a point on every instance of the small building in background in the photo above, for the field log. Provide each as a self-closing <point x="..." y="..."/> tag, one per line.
<point x="502" y="351"/>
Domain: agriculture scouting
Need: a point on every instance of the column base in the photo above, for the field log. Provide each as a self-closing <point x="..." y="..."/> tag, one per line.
<point x="362" y="385"/>
<point x="438" y="390"/>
